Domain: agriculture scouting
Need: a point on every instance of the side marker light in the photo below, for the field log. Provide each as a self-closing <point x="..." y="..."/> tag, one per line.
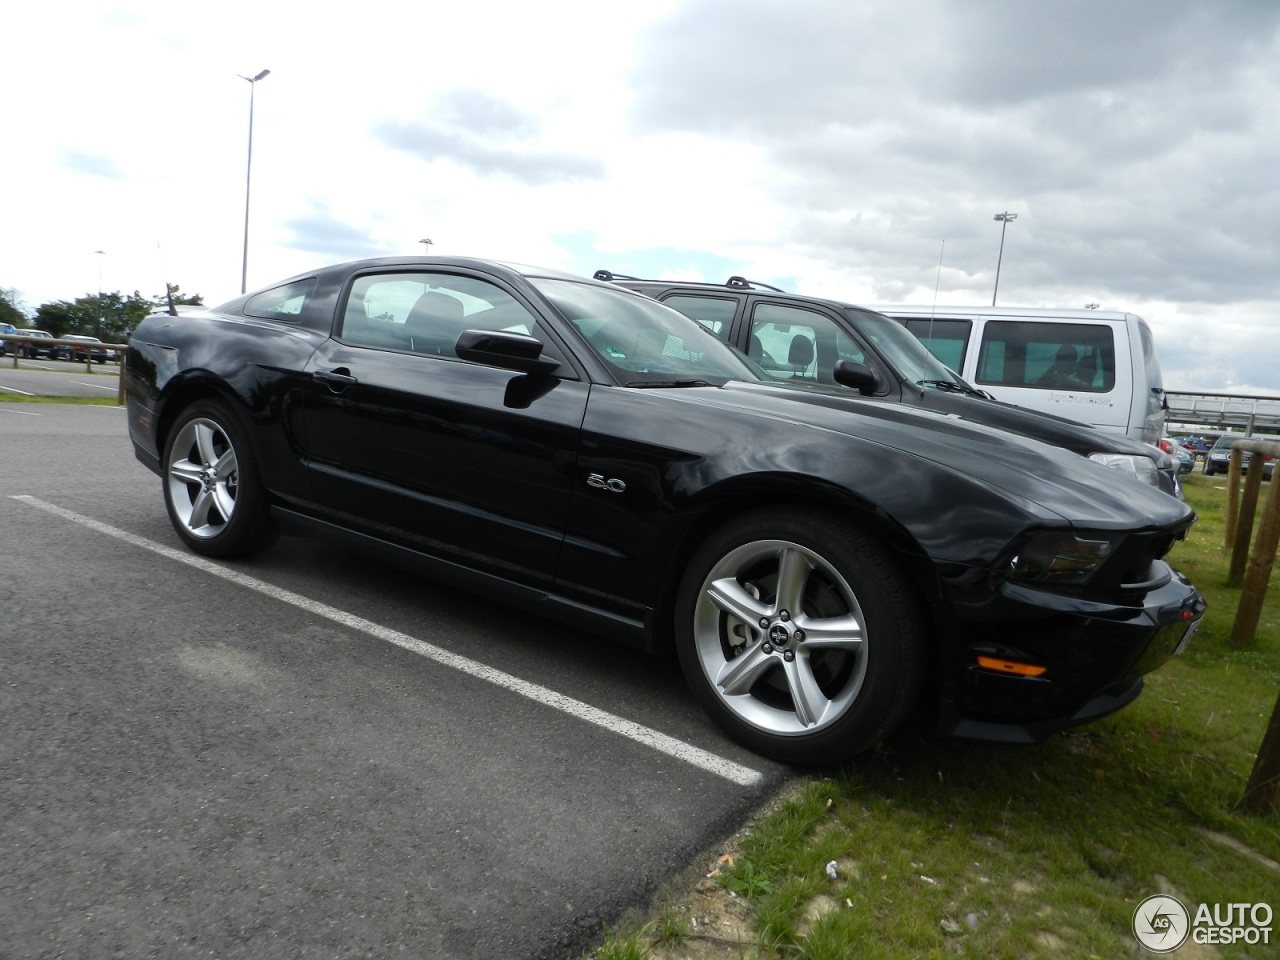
<point x="1011" y="666"/>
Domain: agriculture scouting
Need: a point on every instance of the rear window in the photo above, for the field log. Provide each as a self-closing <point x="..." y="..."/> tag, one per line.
<point x="281" y="303"/>
<point x="1076" y="357"/>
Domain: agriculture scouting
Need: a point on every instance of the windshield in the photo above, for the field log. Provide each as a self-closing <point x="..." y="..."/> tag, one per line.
<point x="644" y="343"/>
<point x="900" y="347"/>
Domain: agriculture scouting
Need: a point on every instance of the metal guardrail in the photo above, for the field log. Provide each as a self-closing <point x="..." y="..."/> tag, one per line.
<point x="87" y="347"/>
<point x="1224" y="411"/>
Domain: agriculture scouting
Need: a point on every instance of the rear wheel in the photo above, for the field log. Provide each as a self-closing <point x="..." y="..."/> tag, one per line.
<point x="215" y="499"/>
<point x="798" y="633"/>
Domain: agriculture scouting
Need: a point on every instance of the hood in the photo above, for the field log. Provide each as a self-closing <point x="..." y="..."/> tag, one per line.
<point x="1072" y="435"/>
<point x="1048" y="480"/>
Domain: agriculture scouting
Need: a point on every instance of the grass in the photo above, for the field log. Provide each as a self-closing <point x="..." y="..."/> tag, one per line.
<point x="942" y="849"/>
<point x="81" y="401"/>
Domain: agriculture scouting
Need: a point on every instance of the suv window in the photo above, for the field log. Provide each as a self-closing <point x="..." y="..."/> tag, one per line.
<point x="1048" y="356"/>
<point x="791" y="342"/>
<point x="714" y="313"/>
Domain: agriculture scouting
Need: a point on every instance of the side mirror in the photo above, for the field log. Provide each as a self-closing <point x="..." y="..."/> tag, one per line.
<point x="858" y="376"/>
<point x="510" y="351"/>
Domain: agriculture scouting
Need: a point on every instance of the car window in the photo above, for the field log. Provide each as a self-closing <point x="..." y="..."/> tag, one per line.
<point x="645" y="343"/>
<point x="281" y="303"/>
<point x="714" y="313"/>
<point x="948" y="340"/>
<point x="790" y="342"/>
<point x="1048" y="356"/>
<point x="424" y="312"/>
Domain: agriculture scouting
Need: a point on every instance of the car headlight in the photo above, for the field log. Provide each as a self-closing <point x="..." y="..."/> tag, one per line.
<point x="1135" y="465"/>
<point x="1059" y="556"/>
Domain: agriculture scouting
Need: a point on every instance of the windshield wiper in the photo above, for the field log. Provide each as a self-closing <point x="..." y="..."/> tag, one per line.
<point x="950" y="386"/>
<point x="667" y="383"/>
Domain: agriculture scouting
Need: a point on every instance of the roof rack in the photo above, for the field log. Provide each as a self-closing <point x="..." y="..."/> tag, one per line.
<point x="735" y="282"/>
<point x="742" y="283"/>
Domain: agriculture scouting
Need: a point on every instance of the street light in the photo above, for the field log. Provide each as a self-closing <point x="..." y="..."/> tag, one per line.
<point x="253" y="85"/>
<point x="426" y="246"/>
<point x="1005" y="219"/>
<point x="100" y="254"/>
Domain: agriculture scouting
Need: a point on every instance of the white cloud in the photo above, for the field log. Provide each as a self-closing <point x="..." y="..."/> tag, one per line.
<point x="829" y="146"/>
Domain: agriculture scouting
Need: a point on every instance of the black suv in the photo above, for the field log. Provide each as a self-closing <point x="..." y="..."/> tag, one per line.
<point x="812" y="340"/>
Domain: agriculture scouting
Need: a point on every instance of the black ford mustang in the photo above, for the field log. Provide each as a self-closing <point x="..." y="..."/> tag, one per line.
<point x="817" y="559"/>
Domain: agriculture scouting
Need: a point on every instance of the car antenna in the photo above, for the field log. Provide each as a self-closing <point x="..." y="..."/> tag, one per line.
<point x="168" y="291"/>
<point x="937" y="281"/>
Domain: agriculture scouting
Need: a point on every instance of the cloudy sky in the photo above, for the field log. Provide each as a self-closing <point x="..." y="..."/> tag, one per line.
<point x="849" y="148"/>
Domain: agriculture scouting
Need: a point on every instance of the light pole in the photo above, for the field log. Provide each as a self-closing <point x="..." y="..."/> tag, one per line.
<point x="1005" y="219"/>
<point x="426" y="246"/>
<point x="253" y="85"/>
<point x="100" y="254"/>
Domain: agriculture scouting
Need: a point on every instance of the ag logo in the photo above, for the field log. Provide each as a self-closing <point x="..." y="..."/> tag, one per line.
<point x="1161" y="923"/>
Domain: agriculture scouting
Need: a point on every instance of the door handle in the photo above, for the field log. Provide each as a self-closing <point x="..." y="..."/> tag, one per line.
<point x="338" y="380"/>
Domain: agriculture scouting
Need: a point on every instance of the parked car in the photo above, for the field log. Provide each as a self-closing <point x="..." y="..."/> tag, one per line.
<point x="1219" y="459"/>
<point x="98" y="353"/>
<point x="818" y="562"/>
<point x="1096" y="366"/>
<point x="4" y="344"/>
<point x="1183" y="457"/>
<point x="818" y="340"/>
<point x="37" y="350"/>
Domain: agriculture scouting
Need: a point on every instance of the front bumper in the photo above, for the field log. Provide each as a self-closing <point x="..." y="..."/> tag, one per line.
<point x="1059" y="660"/>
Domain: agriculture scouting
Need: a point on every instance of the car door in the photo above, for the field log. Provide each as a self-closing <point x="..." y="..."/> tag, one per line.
<point x="464" y="461"/>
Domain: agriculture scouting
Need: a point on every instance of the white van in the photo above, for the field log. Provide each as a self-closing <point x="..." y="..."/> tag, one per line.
<point x="1088" y="365"/>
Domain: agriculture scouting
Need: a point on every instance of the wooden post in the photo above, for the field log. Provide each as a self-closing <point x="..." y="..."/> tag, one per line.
<point x="1262" y="559"/>
<point x="1245" y="516"/>
<point x="1233" y="499"/>
<point x="1262" y="793"/>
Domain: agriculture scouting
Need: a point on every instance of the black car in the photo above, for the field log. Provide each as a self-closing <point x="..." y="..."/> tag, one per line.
<point x="817" y="560"/>
<point x="1218" y="459"/>
<point x="37" y="348"/>
<point x="816" y="340"/>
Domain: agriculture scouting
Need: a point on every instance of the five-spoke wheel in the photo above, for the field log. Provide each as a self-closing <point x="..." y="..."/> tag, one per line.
<point x="797" y="632"/>
<point x="211" y="489"/>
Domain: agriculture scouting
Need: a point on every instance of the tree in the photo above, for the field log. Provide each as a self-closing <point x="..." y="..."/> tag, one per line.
<point x="107" y="316"/>
<point x="174" y="293"/>
<point x="59" y="317"/>
<point x="11" y="307"/>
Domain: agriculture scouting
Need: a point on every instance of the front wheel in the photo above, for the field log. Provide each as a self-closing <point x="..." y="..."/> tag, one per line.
<point x="800" y="635"/>
<point x="211" y="488"/>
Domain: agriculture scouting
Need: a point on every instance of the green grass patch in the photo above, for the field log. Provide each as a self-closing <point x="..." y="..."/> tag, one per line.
<point x="81" y="401"/>
<point x="946" y="849"/>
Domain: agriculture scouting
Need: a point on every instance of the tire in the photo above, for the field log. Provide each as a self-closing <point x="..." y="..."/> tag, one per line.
<point x="212" y="490"/>
<point x="810" y="674"/>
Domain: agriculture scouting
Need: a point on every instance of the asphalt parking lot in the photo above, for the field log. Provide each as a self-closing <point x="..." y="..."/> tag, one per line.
<point x="59" y="378"/>
<point x="310" y="754"/>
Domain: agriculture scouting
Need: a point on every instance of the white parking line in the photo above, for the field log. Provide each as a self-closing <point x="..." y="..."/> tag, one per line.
<point x="99" y="386"/>
<point x="5" y="389"/>
<point x="710" y="762"/>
